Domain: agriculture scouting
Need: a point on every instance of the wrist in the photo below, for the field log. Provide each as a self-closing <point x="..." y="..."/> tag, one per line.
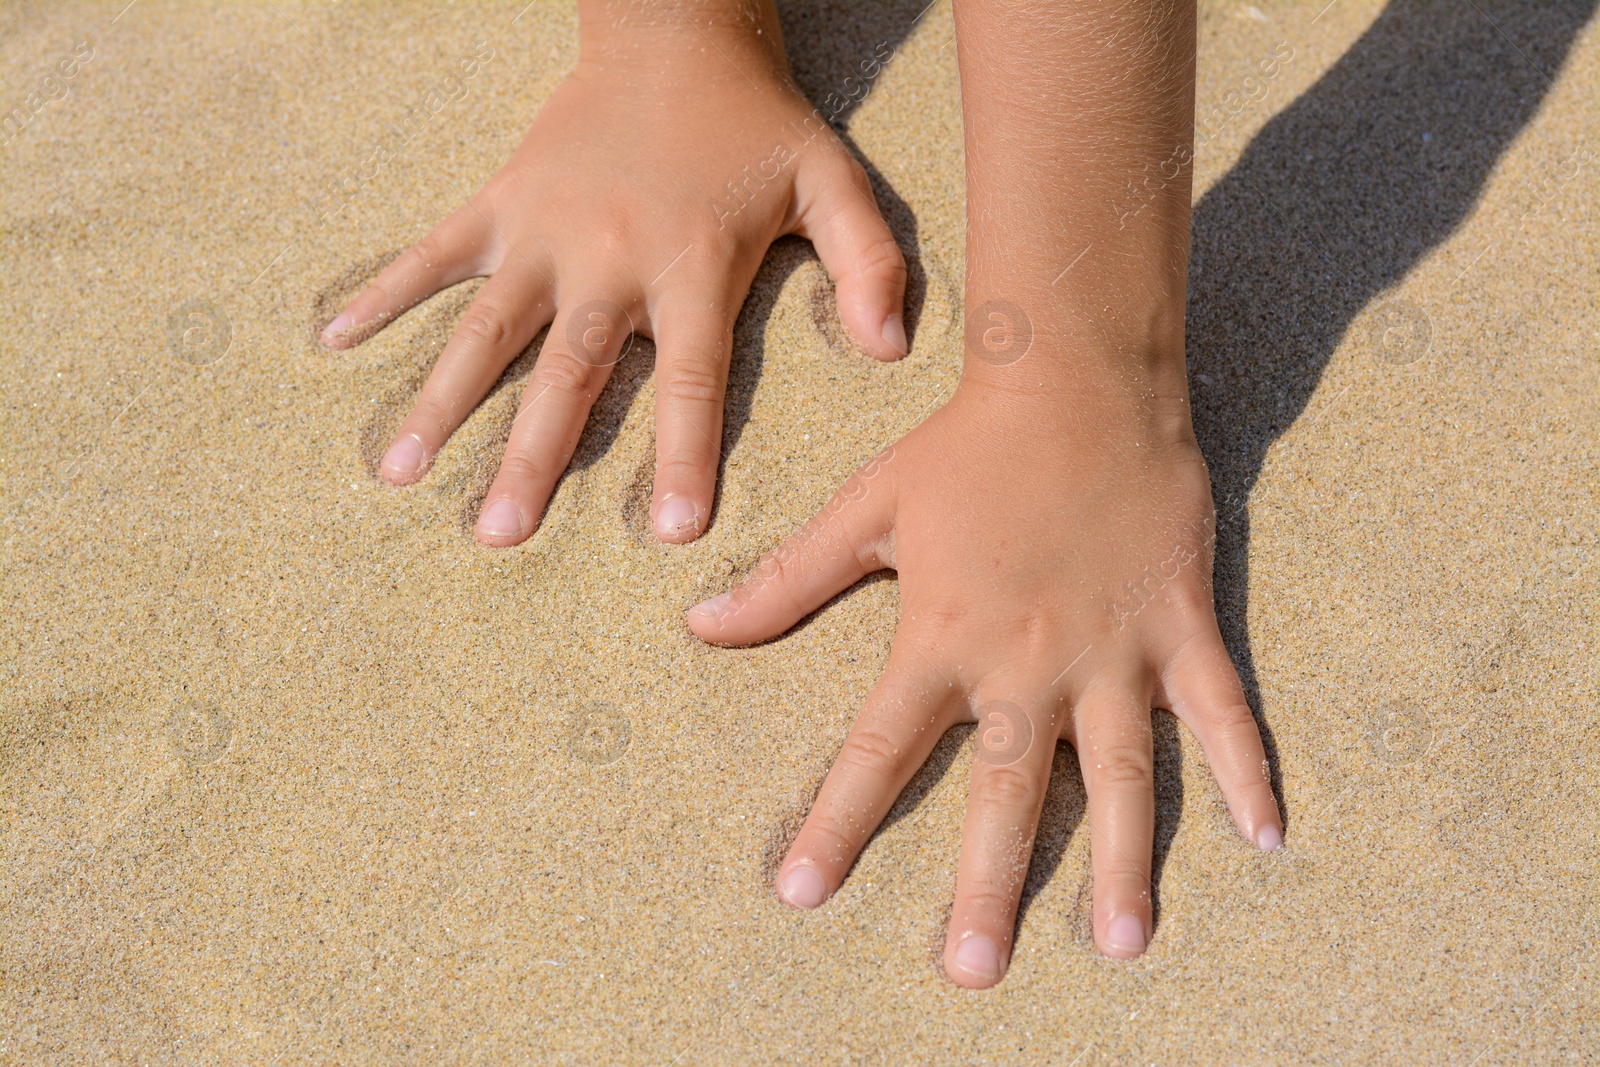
<point x="1051" y="423"/>
<point x="729" y="38"/>
<point x="1119" y="343"/>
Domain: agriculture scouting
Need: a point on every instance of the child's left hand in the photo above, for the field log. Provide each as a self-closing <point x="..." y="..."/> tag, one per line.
<point x="1055" y="583"/>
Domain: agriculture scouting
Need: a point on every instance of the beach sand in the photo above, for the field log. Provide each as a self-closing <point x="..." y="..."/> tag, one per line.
<point x="296" y="772"/>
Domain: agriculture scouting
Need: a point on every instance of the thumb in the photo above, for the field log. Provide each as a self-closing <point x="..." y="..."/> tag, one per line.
<point x="837" y="214"/>
<point x="843" y="543"/>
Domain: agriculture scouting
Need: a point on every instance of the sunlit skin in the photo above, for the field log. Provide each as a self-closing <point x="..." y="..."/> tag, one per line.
<point x="615" y="214"/>
<point x="1052" y="525"/>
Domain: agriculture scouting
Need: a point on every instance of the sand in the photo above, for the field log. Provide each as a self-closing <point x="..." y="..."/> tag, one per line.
<point x="296" y="772"/>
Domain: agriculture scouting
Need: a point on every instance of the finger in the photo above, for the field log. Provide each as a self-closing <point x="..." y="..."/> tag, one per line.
<point x="510" y="310"/>
<point x="1111" y="733"/>
<point x="584" y="343"/>
<point x="904" y="717"/>
<point x="840" y="545"/>
<point x="837" y="214"/>
<point x="1202" y="688"/>
<point x="694" y="341"/>
<point x="453" y="251"/>
<point x="1014" y="747"/>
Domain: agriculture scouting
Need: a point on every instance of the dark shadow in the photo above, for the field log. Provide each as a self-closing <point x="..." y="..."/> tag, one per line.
<point x="835" y="53"/>
<point x="1065" y="804"/>
<point x="1334" y="202"/>
<point x="927" y="778"/>
<point x="1168" y="747"/>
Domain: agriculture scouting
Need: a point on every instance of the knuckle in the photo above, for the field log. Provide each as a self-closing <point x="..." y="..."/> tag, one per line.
<point x="882" y="259"/>
<point x="522" y="470"/>
<point x="872" y="751"/>
<point x="695" y="381"/>
<point x="486" y="326"/>
<point x="563" y="373"/>
<point x="1193" y="601"/>
<point x="429" y="252"/>
<point x="1234" y="745"/>
<point x="943" y="619"/>
<point x="785" y="577"/>
<point x="687" y="465"/>
<point x="612" y="237"/>
<point x="1123" y="872"/>
<point x="829" y="840"/>
<point x="1006" y="787"/>
<point x="767" y="569"/>
<point x="1124" y="766"/>
<point x="987" y="901"/>
<point x="431" y="412"/>
<point x="779" y="578"/>
<point x="859" y="177"/>
<point x="1229" y="722"/>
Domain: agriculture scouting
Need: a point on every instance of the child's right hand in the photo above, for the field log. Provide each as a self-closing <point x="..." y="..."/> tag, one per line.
<point x="642" y="200"/>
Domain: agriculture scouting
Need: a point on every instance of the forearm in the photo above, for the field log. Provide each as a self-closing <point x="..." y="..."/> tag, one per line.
<point x="1079" y="119"/>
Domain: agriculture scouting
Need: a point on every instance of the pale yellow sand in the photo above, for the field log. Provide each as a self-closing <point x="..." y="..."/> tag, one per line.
<point x="295" y="772"/>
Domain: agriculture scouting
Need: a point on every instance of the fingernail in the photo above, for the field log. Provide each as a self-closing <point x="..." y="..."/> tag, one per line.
<point x="894" y="332"/>
<point x="713" y="608"/>
<point x="406" y="456"/>
<point x="676" y="514"/>
<point x="802" y="888"/>
<point x="1126" y="934"/>
<point x="343" y="321"/>
<point x="1269" y="838"/>
<point x="979" y="957"/>
<point x="501" y="519"/>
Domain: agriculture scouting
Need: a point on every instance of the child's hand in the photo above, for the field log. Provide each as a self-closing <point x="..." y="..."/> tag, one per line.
<point x="1055" y="582"/>
<point x="642" y="199"/>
